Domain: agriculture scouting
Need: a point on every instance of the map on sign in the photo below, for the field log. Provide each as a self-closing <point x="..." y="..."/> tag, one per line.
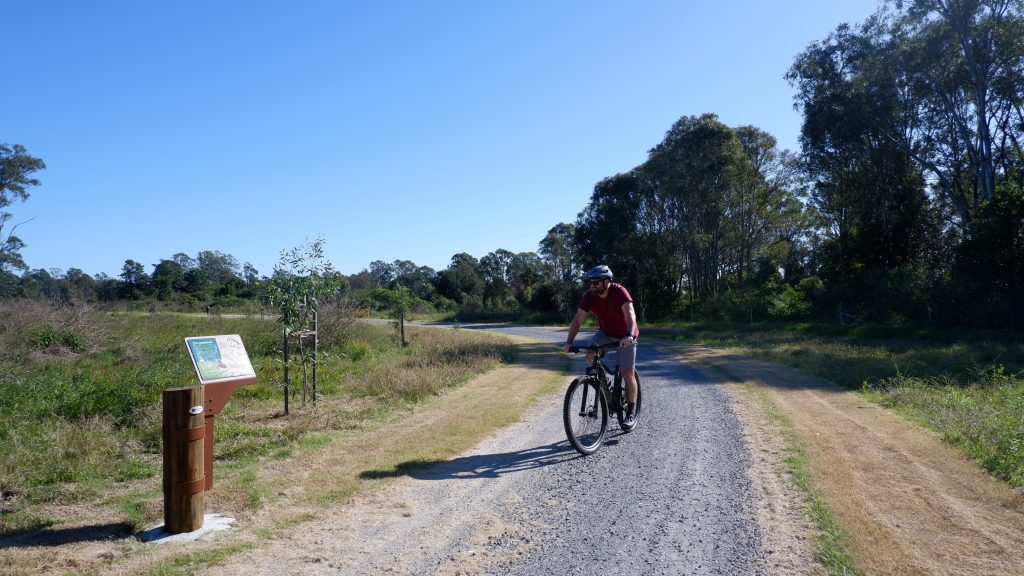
<point x="219" y="357"/>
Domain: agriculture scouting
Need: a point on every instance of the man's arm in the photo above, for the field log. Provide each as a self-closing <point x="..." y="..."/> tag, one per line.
<point x="574" y="328"/>
<point x="627" y="309"/>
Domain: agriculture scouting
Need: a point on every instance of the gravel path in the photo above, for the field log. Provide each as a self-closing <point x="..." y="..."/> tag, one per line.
<point x="684" y="465"/>
<point x="672" y="497"/>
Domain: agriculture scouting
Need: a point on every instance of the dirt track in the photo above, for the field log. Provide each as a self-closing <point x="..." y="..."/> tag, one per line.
<point x="912" y="504"/>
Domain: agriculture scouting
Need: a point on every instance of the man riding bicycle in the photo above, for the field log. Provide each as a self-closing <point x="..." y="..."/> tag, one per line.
<point x="613" y="306"/>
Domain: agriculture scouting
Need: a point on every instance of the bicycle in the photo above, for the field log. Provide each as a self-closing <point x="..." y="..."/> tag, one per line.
<point x="589" y="399"/>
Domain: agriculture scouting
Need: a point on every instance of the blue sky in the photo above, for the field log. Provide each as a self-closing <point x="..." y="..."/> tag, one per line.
<point x="392" y="129"/>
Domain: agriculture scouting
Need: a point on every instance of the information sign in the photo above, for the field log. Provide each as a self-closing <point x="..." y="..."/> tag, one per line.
<point x="219" y="358"/>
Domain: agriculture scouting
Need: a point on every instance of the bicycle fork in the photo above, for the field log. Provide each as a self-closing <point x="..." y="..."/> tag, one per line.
<point x="586" y="410"/>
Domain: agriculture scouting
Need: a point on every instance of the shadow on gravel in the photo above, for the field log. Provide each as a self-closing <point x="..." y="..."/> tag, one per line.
<point x="479" y="465"/>
<point x="655" y="365"/>
<point x="61" y="536"/>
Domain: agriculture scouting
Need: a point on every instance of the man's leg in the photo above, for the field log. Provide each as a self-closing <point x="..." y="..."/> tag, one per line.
<point x="627" y="363"/>
<point x="629" y="376"/>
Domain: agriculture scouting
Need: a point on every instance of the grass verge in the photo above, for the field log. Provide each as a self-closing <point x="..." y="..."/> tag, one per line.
<point x="190" y="563"/>
<point x="832" y="543"/>
<point x="832" y="548"/>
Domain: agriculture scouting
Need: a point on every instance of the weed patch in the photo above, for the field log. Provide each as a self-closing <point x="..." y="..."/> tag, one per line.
<point x="982" y="413"/>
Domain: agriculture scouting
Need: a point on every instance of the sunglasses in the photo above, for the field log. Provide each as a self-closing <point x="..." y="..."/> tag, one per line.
<point x="595" y="282"/>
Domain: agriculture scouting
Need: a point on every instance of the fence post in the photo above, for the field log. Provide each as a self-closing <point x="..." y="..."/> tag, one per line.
<point x="184" y="434"/>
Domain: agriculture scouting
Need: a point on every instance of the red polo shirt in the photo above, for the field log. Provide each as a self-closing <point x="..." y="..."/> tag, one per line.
<point x="609" y="310"/>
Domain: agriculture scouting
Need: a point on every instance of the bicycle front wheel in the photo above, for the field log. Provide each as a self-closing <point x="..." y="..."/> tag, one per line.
<point x="585" y="414"/>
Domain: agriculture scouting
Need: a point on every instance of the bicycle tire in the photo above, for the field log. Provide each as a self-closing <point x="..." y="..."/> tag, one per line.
<point x="585" y="415"/>
<point x="621" y="412"/>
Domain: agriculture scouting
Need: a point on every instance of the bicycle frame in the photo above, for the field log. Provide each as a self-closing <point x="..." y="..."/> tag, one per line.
<point x="613" y="390"/>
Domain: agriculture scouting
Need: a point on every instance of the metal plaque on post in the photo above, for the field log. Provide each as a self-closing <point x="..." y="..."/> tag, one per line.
<point x="219" y="358"/>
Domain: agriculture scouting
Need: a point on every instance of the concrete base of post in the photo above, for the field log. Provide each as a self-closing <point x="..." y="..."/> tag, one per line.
<point x="211" y="523"/>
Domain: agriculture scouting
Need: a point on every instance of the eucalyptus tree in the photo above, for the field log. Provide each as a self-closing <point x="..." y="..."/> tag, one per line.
<point x="694" y="172"/>
<point x="709" y="201"/>
<point x="420" y="280"/>
<point x="763" y="215"/>
<point x="168" y="278"/>
<point x="134" y="278"/>
<point x="558" y="251"/>
<point x="941" y="80"/>
<point x="923" y="96"/>
<point x="363" y="280"/>
<point x="417" y="279"/>
<point x="250" y="275"/>
<point x="16" y="168"/>
<point x="195" y="280"/>
<point x="41" y="284"/>
<point x="302" y="278"/>
<point x="218" y="266"/>
<point x="83" y="286"/>
<point x="462" y="281"/>
<point x="384" y="272"/>
<point x="607" y="231"/>
<point x="525" y="273"/>
<point x="964" y="63"/>
<point x="495" y="269"/>
<point x="183" y="260"/>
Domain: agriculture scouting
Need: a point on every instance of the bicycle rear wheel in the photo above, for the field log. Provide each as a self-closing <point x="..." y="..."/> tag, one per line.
<point x="621" y="413"/>
<point x="585" y="414"/>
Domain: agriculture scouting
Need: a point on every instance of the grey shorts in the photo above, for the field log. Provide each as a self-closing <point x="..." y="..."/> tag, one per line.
<point x="625" y="356"/>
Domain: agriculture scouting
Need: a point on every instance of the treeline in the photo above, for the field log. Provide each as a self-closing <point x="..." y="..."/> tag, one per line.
<point x="211" y="278"/>
<point x="500" y="283"/>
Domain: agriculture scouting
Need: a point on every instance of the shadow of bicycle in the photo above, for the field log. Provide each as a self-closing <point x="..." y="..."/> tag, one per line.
<point x="480" y="465"/>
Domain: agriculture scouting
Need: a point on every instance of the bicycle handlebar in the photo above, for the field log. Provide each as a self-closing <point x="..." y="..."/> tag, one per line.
<point x="593" y="347"/>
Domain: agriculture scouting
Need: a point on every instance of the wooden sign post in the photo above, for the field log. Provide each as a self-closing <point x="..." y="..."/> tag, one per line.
<point x="184" y="435"/>
<point x="189" y="413"/>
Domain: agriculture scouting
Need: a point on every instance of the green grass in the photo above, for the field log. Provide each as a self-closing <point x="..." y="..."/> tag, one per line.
<point x="968" y="386"/>
<point x="133" y="507"/>
<point x="190" y="563"/>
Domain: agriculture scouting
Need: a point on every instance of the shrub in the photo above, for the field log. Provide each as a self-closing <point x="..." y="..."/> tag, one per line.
<point x="789" y="302"/>
<point x="50" y="337"/>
